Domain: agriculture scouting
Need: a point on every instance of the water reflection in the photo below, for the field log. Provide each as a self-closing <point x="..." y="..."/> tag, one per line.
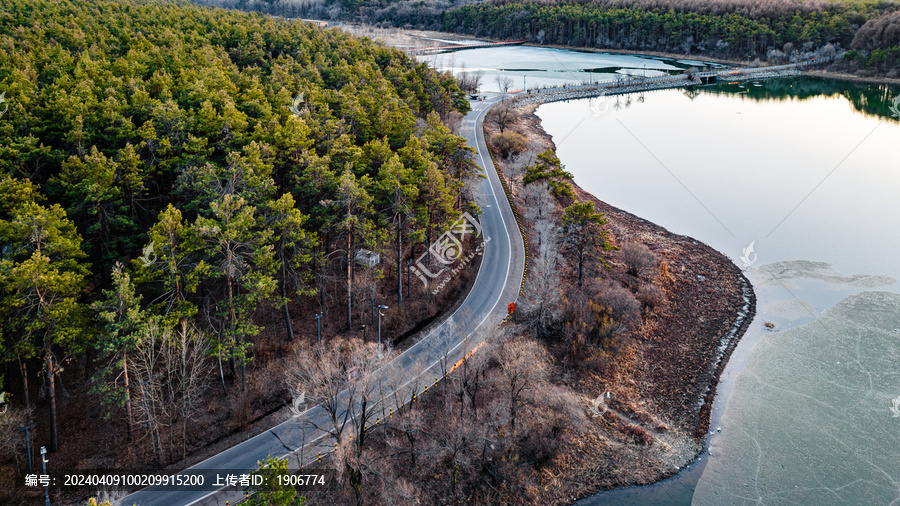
<point x="807" y="169"/>
<point x="870" y="99"/>
<point x="875" y="100"/>
<point x="809" y="421"/>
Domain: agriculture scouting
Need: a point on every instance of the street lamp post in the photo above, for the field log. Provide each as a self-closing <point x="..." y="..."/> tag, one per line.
<point x="407" y="277"/>
<point x="318" y="329"/>
<point x="380" y="314"/>
<point x="46" y="484"/>
<point x="26" y="428"/>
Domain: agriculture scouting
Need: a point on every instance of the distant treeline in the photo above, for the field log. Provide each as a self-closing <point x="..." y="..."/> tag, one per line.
<point x="727" y="33"/>
<point x="764" y="29"/>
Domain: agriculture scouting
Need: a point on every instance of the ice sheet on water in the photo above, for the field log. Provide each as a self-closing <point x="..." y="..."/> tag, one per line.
<point x="790" y="309"/>
<point x="810" y="422"/>
<point x="777" y="273"/>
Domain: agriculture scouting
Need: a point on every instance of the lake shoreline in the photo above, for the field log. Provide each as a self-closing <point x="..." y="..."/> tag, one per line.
<point x="677" y="367"/>
<point x="412" y="34"/>
<point x="822" y="73"/>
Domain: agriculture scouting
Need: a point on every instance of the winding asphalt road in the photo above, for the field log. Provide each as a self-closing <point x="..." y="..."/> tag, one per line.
<point x="496" y="285"/>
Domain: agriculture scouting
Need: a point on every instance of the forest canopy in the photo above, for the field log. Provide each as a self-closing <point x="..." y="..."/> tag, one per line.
<point x="164" y="163"/>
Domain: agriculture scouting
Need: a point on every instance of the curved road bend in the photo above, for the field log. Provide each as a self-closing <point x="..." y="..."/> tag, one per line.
<point x="496" y="285"/>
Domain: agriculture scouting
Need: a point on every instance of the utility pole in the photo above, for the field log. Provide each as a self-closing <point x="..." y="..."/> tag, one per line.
<point x="380" y="314"/>
<point x="26" y="428"/>
<point x="407" y="278"/>
<point x="318" y="330"/>
<point x="47" y="483"/>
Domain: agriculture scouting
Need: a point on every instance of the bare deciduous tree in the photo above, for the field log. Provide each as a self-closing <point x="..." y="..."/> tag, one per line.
<point x="469" y="377"/>
<point x="396" y="489"/>
<point x="12" y="439"/>
<point x="458" y="442"/>
<point x="651" y="295"/>
<point x="445" y="343"/>
<point x="469" y="81"/>
<point x="189" y="374"/>
<point x="619" y="302"/>
<point x="342" y="379"/>
<point x="539" y="202"/>
<point x="524" y="366"/>
<point x="409" y="428"/>
<point x="502" y="116"/>
<point x="172" y="373"/>
<point x="504" y="82"/>
<point x="639" y="261"/>
<point x="148" y="407"/>
<point x="541" y="300"/>
<point x="611" y="313"/>
<point x="319" y="375"/>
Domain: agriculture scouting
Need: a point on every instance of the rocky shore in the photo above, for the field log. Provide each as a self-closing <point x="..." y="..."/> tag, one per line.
<point x="711" y="304"/>
<point x="665" y="383"/>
